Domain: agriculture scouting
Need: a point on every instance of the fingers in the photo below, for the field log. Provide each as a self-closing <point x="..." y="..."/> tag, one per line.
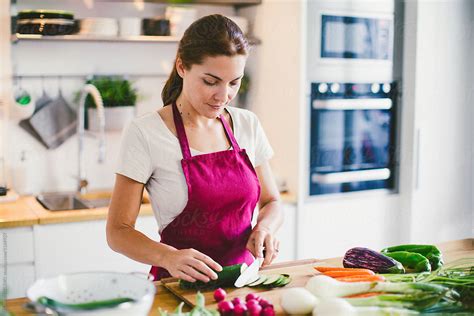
<point x="203" y="268"/>
<point x="208" y="261"/>
<point x="270" y="252"/>
<point x="256" y="243"/>
<point x="191" y="272"/>
<point x="183" y="276"/>
<point x="192" y="265"/>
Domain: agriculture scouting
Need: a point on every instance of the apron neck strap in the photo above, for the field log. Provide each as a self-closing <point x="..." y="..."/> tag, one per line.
<point x="183" y="140"/>
<point x="230" y="135"/>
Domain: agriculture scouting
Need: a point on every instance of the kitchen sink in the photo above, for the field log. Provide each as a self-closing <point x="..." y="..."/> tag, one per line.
<point x="62" y="201"/>
<point x="96" y="199"/>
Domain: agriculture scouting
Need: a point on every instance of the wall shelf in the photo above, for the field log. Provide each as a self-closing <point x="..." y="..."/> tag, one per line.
<point x="89" y="38"/>
<point x="238" y="4"/>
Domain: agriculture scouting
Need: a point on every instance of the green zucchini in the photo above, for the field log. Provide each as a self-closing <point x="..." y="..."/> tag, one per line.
<point x="225" y="278"/>
<point x="285" y="281"/>
<point x="260" y="280"/>
<point x="51" y="303"/>
<point x="256" y="278"/>
<point x="272" y="279"/>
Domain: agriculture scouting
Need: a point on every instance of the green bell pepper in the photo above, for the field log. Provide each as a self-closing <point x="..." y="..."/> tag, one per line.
<point x="411" y="260"/>
<point x="432" y="253"/>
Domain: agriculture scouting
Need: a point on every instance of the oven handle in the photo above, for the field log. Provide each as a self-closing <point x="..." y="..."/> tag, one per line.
<point x="351" y="176"/>
<point x="353" y="104"/>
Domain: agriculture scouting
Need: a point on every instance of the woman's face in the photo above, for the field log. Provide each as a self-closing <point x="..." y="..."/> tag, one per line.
<point x="210" y="87"/>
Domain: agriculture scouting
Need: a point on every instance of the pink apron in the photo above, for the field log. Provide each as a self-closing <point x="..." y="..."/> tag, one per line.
<point x="223" y="190"/>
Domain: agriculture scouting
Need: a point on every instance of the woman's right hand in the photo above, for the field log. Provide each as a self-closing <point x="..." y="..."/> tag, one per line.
<point x="190" y="265"/>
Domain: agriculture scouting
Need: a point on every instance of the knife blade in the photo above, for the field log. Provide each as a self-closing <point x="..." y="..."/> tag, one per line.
<point x="249" y="274"/>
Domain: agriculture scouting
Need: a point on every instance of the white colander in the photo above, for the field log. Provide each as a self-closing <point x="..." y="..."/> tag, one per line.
<point x="85" y="287"/>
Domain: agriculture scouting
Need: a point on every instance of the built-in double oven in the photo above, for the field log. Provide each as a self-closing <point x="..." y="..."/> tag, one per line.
<point x="352" y="99"/>
<point x="352" y="136"/>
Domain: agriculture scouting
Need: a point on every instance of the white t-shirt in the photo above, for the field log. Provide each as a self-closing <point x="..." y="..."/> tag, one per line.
<point x="150" y="154"/>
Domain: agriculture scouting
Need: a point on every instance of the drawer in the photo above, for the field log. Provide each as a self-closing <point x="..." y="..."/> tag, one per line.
<point x="19" y="278"/>
<point x="19" y="245"/>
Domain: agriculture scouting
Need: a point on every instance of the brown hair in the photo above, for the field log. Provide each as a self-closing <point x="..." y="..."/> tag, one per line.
<point x="212" y="35"/>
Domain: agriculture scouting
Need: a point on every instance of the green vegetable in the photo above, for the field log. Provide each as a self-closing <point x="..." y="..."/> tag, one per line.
<point x="198" y="310"/>
<point x="411" y="260"/>
<point x="418" y="300"/>
<point x="458" y="276"/>
<point x="225" y="278"/>
<point x="51" y="303"/>
<point x="432" y="253"/>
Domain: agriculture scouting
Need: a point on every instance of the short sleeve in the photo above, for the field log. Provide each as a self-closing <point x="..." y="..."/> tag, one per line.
<point x="263" y="149"/>
<point x="134" y="159"/>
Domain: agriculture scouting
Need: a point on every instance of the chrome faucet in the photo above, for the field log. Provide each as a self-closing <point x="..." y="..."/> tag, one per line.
<point x="94" y="92"/>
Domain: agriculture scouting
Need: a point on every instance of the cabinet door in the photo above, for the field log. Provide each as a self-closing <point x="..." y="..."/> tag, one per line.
<point x="19" y="277"/>
<point x="16" y="245"/>
<point x="82" y="246"/>
<point x="16" y="260"/>
<point x="287" y="234"/>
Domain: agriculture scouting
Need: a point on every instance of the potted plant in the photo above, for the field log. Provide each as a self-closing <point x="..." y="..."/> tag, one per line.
<point x="243" y="92"/>
<point x="119" y="97"/>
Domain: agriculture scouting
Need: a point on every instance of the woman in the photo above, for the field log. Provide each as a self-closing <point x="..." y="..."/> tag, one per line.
<point x="200" y="178"/>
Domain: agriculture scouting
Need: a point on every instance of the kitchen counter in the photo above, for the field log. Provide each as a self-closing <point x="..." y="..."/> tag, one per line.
<point x="451" y="251"/>
<point x="27" y="211"/>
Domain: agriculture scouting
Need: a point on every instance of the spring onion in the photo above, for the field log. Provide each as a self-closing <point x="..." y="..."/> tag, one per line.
<point x="324" y="286"/>
<point x="458" y="276"/>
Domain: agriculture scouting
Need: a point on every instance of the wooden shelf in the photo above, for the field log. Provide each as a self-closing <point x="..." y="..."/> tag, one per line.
<point x="90" y="38"/>
<point x="236" y="3"/>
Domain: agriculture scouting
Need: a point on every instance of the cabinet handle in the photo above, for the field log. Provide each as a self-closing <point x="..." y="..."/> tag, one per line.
<point x="351" y="176"/>
<point x="417" y="161"/>
<point x="353" y="104"/>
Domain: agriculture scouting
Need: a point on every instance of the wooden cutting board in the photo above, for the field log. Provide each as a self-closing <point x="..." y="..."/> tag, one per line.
<point x="300" y="271"/>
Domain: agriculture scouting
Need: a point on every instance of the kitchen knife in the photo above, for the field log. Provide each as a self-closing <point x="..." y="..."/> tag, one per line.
<point x="249" y="274"/>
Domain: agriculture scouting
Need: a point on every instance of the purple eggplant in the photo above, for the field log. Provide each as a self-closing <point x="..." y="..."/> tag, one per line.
<point x="360" y="257"/>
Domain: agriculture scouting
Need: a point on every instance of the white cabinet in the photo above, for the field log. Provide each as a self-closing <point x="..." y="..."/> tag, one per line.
<point x="16" y="260"/>
<point x="287" y="234"/>
<point x="82" y="246"/>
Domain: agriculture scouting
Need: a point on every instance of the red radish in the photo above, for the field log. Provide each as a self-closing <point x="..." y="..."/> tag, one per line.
<point x="252" y="302"/>
<point x="225" y="307"/>
<point x="264" y="303"/>
<point x="219" y="295"/>
<point x="240" y="309"/>
<point x="252" y="296"/>
<point x="254" y="310"/>
<point x="238" y="300"/>
<point x="268" y="311"/>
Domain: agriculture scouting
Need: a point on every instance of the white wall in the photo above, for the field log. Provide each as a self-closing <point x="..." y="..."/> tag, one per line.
<point x="276" y="70"/>
<point x="55" y="170"/>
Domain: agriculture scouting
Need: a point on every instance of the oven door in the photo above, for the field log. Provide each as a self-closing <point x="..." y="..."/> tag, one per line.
<point x="351" y="145"/>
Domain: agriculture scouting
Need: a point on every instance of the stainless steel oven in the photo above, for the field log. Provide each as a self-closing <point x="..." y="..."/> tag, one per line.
<point x="352" y="136"/>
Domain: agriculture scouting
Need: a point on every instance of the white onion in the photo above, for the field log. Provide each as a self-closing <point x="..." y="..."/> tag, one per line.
<point x="298" y="300"/>
<point x="334" y="307"/>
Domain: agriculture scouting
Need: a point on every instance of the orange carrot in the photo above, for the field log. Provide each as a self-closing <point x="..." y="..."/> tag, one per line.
<point x="361" y="278"/>
<point x="336" y="274"/>
<point x="369" y="294"/>
<point x="329" y="269"/>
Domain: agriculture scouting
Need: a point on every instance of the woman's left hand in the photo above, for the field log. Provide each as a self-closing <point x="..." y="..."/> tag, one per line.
<point x="262" y="239"/>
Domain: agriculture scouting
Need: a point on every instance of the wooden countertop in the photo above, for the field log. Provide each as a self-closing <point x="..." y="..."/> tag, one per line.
<point x="452" y="250"/>
<point x="27" y="211"/>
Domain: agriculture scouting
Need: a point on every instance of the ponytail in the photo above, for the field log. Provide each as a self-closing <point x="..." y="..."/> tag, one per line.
<point x="172" y="88"/>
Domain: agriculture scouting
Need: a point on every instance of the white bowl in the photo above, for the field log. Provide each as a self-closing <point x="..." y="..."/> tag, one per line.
<point x="84" y="287"/>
